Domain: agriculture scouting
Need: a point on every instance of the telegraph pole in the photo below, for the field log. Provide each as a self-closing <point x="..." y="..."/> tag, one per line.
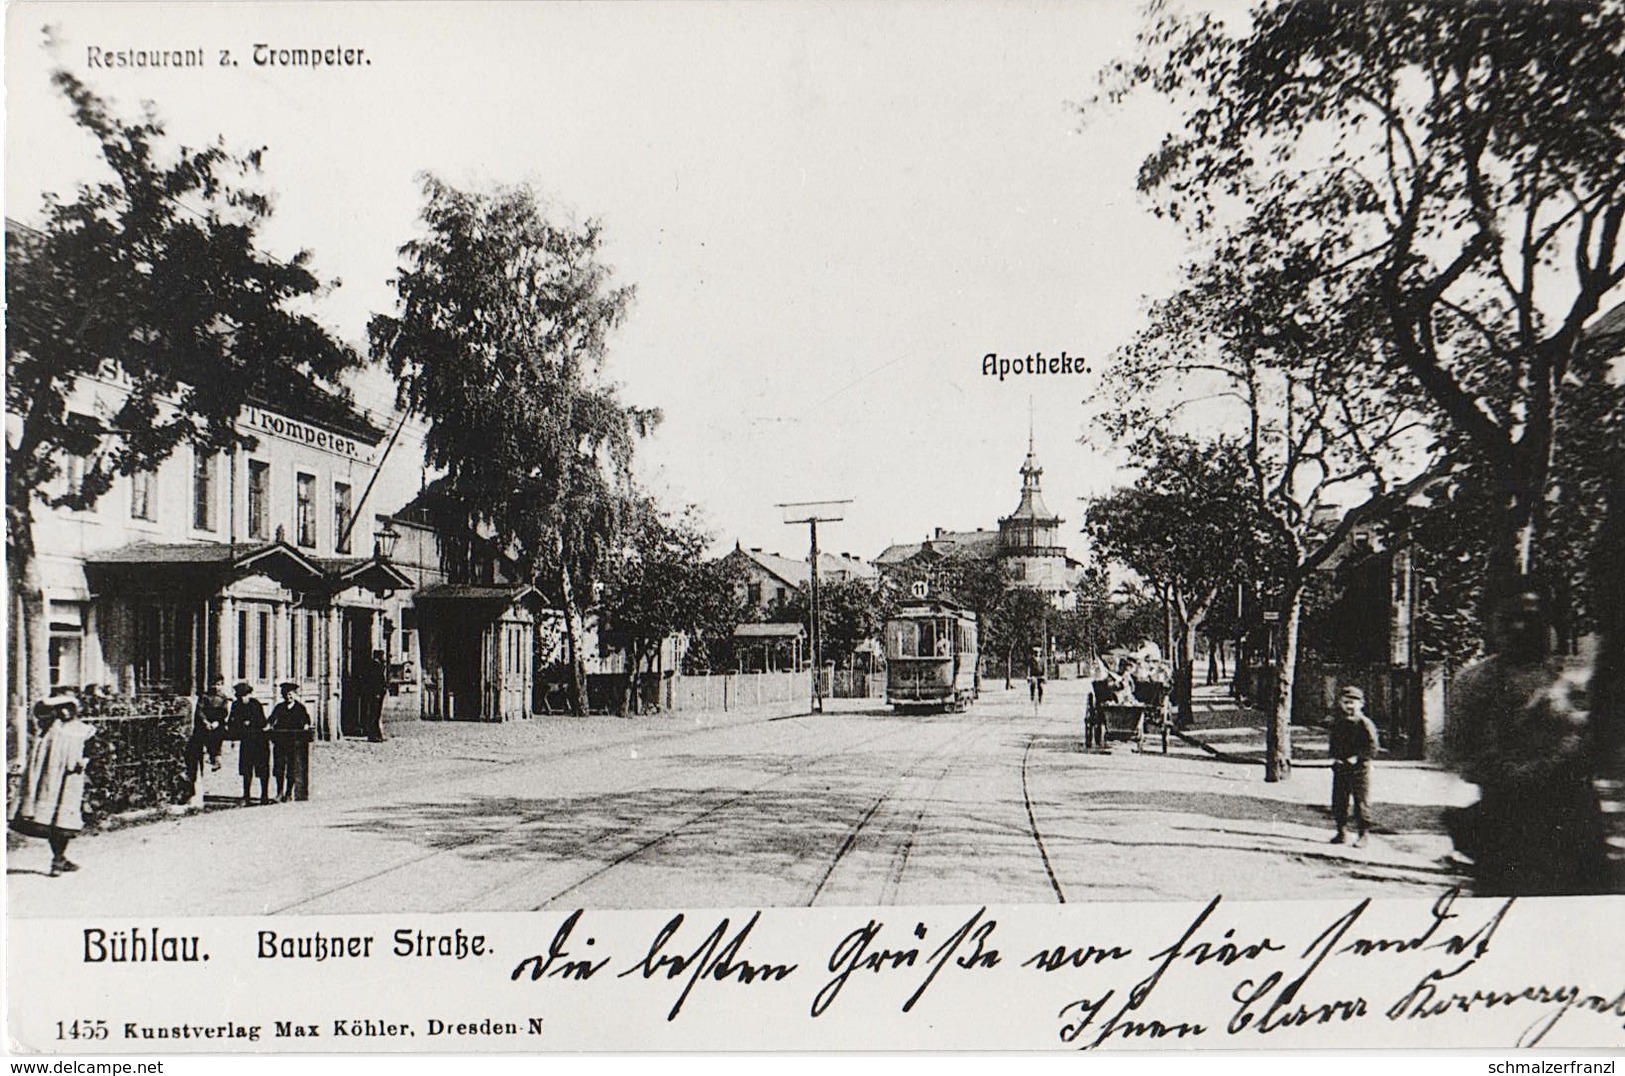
<point x="813" y="513"/>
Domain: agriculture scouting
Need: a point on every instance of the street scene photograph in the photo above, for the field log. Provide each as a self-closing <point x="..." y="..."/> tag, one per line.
<point x="531" y="457"/>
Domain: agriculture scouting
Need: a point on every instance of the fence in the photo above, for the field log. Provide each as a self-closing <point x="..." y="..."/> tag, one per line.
<point x="137" y="759"/>
<point x="735" y="691"/>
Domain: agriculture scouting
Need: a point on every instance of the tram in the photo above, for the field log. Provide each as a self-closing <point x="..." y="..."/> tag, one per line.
<point x="931" y="656"/>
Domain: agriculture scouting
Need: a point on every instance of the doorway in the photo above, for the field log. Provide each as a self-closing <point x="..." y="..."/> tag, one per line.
<point x="355" y="650"/>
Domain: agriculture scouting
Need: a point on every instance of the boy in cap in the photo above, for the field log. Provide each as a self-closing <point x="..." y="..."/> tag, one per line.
<point x="1353" y="744"/>
<point x="290" y="725"/>
<point x="253" y="752"/>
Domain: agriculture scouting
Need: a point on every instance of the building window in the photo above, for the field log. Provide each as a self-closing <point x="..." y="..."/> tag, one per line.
<point x="312" y="626"/>
<point x="753" y="593"/>
<point x="144" y="495"/>
<point x="162" y="649"/>
<point x="202" y="489"/>
<point x="242" y="644"/>
<point x="341" y="517"/>
<point x="67" y="621"/>
<point x="263" y="650"/>
<point x="304" y="511"/>
<point x="73" y="477"/>
<point x="259" y="499"/>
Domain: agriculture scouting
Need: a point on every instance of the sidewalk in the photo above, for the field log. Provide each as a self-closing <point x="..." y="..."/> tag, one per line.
<point x="418" y="753"/>
<point x="1232" y="732"/>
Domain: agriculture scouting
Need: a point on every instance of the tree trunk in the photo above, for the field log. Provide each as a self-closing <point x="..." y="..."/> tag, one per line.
<point x="1278" y="736"/>
<point x="573" y="630"/>
<point x="1607" y="726"/>
<point x="26" y="683"/>
<point x="1185" y="679"/>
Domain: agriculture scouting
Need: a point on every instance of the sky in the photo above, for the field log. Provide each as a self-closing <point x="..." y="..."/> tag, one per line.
<point x="830" y="213"/>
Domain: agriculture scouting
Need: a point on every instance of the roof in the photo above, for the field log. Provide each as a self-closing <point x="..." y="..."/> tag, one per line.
<point x="979" y="543"/>
<point x="769" y="631"/>
<point x="794" y="572"/>
<point x="210" y="564"/>
<point x="366" y="572"/>
<point x="474" y="592"/>
<point x="199" y="565"/>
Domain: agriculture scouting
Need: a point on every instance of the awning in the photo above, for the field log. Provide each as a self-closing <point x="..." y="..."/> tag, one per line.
<point x="197" y="567"/>
<point x="769" y="631"/>
<point x="368" y="573"/>
<point x="471" y="599"/>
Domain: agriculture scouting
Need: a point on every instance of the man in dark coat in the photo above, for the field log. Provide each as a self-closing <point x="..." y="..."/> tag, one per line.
<point x="253" y="750"/>
<point x="1353" y="744"/>
<point x="374" y="684"/>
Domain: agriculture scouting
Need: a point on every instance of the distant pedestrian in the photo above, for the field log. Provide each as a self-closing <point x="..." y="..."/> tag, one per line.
<point x="51" y="801"/>
<point x="374" y="685"/>
<point x="1035" y="679"/>
<point x="1353" y="743"/>
<point x="253" y="748"/>
<point x="209" y="716"/>
<point x="290" y="727"/>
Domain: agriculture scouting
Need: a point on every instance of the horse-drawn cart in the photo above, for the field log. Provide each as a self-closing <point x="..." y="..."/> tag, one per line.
<point x="1108" y="715"/>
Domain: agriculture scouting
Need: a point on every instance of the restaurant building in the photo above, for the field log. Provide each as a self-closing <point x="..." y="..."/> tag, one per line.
<point x="266" y="563"/>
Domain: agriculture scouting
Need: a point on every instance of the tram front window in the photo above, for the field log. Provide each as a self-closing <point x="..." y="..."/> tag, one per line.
<point x="945" y="639"/>
<point x="928" y="638"/>
<point x="904" y="640"/>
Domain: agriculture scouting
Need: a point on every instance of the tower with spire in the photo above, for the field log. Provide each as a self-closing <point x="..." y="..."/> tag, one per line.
<point x="1029" y="538"/>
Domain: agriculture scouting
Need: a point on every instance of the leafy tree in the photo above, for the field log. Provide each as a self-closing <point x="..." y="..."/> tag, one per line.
<point x="1455" y="168"/>
<point x="850" y="614"/>
<point x="503" y="322"/>
<point x="150" y="278"/>
<point x="1262" y="339"/>
<point x="1018" y="626"/>
<point x="1190" y="527"/>
<point x="659" y="584"/>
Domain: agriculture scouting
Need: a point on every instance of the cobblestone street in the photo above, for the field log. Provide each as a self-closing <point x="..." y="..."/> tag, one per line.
<point x="855" y="806"/>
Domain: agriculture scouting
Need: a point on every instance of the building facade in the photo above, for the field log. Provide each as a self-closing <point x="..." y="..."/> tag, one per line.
<point x="263" y="564"/>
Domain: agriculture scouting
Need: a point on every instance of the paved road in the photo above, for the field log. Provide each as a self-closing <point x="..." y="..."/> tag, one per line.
<point x="855" y="806"/>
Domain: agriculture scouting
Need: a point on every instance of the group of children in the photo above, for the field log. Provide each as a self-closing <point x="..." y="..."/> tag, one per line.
<point x="270" y="746"/>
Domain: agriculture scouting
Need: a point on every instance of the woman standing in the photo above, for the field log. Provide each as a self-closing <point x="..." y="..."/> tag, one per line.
<point x="254" y="749"/>
<point x="53" y="793"/>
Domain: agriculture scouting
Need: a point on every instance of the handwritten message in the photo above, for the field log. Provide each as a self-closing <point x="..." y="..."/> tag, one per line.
<point x="1451" y="971"/>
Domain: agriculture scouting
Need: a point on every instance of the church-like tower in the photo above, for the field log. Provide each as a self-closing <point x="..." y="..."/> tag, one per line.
<point x="1029" y="542"/>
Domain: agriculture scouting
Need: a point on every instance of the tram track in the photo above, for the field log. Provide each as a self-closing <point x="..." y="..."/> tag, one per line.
<point x="1032" y="822"/>
<point x="607" y="835"/>
<point x="904" y="848"/>
<point x="745" y="795"/>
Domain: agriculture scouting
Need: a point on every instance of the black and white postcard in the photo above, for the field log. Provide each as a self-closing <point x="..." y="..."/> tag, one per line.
<point x="549" y="527"/>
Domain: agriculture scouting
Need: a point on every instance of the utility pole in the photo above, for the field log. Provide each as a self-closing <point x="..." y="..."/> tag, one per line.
<point x="813" y="513"/>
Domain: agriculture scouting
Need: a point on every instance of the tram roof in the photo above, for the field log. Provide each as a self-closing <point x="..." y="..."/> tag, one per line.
<point x="932" y="606"/>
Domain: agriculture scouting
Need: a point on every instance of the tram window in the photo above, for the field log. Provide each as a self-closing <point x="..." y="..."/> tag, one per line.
<point x="945" y="639"/>
<point x="928" y="638"/>
<point x="903" y="639"/>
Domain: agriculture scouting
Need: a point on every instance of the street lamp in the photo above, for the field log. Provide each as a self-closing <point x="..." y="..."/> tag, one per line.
<point x="384" y="539"/>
